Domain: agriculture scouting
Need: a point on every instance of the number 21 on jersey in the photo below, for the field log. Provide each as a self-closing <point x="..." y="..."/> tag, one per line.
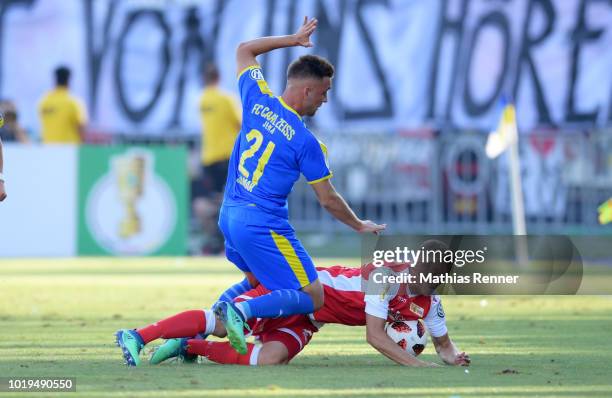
<point x="246" y="179"/>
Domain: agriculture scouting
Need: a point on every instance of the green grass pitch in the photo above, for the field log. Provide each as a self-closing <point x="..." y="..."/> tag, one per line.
<point x="58" y="317"/>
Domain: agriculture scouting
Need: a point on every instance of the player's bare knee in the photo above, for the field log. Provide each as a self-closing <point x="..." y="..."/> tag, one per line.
<point x="315" y="291"/>
<point x="317" y="301"/>
<point x="273" y="353"/>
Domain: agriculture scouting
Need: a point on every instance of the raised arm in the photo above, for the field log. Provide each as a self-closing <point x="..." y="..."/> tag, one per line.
<point x="331" y="200"/>
<point x="248" y="50"/>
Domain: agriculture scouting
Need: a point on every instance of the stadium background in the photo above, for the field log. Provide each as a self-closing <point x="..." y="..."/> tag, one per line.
<point x="417" y="90"/>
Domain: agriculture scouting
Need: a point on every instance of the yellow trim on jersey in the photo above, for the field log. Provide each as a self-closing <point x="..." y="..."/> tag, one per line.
<point x="327" y="177"/>
<point x="283" y="103"/>
<point x="263" y="86"/>
<point x="246" y="69"/>
<point x="288" y="252"/>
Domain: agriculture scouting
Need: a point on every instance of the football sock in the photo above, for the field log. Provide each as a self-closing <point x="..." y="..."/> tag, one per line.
<point x="184" y="324"/>
<point x="278" y="303"/>
<point x="235" y="290"/>
<point x="222" y="352"/>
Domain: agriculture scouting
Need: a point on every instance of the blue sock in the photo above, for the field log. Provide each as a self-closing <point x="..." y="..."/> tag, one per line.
<point x="236" y="290"/>
<point x="277" y="303"/>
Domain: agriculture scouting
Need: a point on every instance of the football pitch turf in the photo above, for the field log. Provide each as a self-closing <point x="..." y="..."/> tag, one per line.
<point x="58" y="317"/>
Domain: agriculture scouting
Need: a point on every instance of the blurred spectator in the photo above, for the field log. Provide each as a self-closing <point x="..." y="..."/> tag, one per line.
<point x="2" y="189"/>
<point x="12" y="130"/>
<point x="221" y="119"/>
<point x="62" y="116"/>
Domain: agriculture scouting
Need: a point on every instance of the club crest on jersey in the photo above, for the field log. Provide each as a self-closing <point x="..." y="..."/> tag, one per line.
<point x="417" y="310"/>
<point x="395" y="316"/>
<point x="256" y="74"/>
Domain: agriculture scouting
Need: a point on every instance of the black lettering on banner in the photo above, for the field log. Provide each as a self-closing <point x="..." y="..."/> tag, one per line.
<point x="329" y="36"/>
<point x="455" y="28"/>
<point x="268" y="27"/>
<point x="193" y="41"/>
<point x="289" y="29"/>
<point x="525" y="59"/>
<point x="96" y="54"/>
<point x="133" y="113"/>
<point x="204" y="50"/>
<point x="4" y="6"/>
<point x="580" y="35"/>
<point x="498" y="20"/>
<point x="386" y="108"/>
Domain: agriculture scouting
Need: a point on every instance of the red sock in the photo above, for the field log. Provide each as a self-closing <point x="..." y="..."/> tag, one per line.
<point x="219" y="352"/>
<point x="184" y="324"/>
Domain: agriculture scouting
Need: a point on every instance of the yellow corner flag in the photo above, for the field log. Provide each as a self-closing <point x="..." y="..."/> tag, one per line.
<point x="506" y="133"/>
<point x="605" y="212"/>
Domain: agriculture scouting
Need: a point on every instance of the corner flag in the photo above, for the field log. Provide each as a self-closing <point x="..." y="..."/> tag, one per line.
<point x="605" y="212"/>
<point x="506" y="133"/>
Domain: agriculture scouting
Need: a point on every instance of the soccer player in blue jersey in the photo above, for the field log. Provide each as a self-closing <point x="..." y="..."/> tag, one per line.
<point x="271" y="151"/>
<point x="273" y="148"/>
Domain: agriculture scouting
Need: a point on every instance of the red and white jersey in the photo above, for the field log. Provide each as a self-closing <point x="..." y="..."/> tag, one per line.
<point x="346" y="302"/>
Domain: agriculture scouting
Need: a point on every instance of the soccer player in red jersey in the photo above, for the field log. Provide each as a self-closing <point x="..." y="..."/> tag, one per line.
<point x="346" y="303"/>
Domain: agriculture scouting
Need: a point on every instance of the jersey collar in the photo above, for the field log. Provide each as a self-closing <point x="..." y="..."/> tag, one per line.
<point x="283" y="103"/>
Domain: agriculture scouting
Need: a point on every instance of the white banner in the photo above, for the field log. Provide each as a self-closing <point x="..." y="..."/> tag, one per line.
<point x="400" y="64"/>
<point x="38" y="217"/>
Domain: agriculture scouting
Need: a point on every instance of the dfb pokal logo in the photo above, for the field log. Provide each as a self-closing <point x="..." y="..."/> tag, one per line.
<point x="131" y="210"/>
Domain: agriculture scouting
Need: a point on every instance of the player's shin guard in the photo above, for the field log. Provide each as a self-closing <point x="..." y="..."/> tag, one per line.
<point x="278" y="303"/>
<point x="222" y="352"/>
<point x="184" y="324"/>
<point x="235" y="290"/>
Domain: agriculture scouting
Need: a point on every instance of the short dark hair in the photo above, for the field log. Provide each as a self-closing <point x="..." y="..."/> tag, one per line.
<point x="211" y="73"/>
<point x="310" y="66"/>
<point x="62" y="75"/>
<point x="437" y="267"/>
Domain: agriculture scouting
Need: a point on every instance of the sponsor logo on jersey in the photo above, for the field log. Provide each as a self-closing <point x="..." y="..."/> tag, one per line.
<point x="256" y="74"/>
<point x="417" y="310"/>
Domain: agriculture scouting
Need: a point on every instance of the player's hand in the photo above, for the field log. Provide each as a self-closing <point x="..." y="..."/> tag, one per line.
<point x="2" y="191"/>
<point x="370" y="226"/>
<point x="462" y="359"/>
<point x="303" y="34"/>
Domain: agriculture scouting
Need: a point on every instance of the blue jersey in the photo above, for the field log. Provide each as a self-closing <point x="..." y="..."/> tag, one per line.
<point x="271" y="151"/>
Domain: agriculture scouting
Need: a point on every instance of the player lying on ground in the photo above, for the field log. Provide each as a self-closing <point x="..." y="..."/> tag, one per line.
<point x="283" y="338"/>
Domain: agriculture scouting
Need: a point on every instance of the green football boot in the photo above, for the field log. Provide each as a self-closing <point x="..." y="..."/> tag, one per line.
<point x="172" y="348"/>
<point x="131" y="344"/>
<point x="234" y="324"/>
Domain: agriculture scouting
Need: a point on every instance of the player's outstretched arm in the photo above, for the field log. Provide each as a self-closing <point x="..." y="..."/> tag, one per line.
<point x="448" y="352"/>
<point x="335" y="204"/>
<point x="248" y="50"/>
<point x="377" y="338"/>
